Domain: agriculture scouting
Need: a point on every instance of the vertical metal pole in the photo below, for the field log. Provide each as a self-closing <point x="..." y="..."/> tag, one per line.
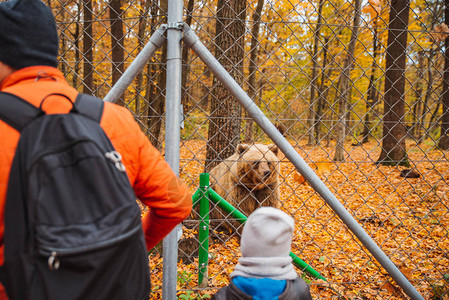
<point x="172" y="134"/>
<point x="203" y="233"/>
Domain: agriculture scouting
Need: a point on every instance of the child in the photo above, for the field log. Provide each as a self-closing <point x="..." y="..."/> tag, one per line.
<point x="265" y="270"/>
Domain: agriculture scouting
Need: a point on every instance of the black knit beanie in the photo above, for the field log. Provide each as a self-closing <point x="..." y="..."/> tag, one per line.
<point x="28" y="35"/>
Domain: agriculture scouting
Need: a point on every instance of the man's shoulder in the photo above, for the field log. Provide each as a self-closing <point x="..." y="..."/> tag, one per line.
<point x="115" y="115"/>
<point x="116" y="109"/>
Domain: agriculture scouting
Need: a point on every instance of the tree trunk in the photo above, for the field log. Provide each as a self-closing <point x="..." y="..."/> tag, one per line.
<point x="372" y="91"/>
<point x="225" y="111"/>
<point x="433" y="117"/>
<point x="322" y="93"/>
<point x="314" y="77"/>
<point x="443" y="142"/>
<point x="418" y="91"/>
<point x="185" y="63"/>
<point x="76" y="39"/>
<point x="429" y="90"/>
<point x="141" y="36"/>
<point x="252" y="85"/>
<point x="205" y="89"/>
<point x="156" y="101"/>
<point x="345" y="87"/>
<point x="63" y="41"/>
<point x="117" y="42"/>
<point x="152" y="69"/>
<point x="393" y="142"/>
<point x="88" y="80"/>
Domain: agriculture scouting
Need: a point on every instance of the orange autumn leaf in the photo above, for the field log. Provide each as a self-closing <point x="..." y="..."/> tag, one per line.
<point x="390" y="288"/>
<point x="298" y="177"/>
<point x="406" y="271"/>
<point x="373" y="8"/>
<point x="319" y="167"/>
<point x="324" y="166"/>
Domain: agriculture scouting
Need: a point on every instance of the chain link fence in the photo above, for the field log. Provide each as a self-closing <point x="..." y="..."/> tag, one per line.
<point x="350" y="84"/>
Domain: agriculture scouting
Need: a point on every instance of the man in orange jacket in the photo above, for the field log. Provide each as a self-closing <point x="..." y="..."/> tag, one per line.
<point x="28" y="61"/>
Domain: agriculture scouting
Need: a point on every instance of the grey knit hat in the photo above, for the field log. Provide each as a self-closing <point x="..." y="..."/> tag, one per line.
<point x="28" y="34"/>
<point x="267" y="233"/>
<point x="265" y="246"/>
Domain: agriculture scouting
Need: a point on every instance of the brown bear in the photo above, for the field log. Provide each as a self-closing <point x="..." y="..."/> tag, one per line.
<point x="248" y="179"/>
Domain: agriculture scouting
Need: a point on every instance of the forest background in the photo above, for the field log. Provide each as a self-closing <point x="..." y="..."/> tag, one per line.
<point x="359" y="88"/>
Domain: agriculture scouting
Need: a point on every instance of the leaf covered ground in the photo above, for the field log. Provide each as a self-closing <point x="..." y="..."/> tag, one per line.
<point x="407" y="217"/>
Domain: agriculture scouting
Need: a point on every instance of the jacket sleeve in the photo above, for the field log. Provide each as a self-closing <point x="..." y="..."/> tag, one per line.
<point x="155" y="184"/>
<point x="167" y="197"/>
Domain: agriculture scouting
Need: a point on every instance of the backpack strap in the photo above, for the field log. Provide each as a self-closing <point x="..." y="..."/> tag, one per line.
<point x="16" y="112"/>
<point x="89" y="106"/>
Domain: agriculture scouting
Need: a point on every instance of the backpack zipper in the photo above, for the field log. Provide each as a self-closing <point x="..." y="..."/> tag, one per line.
<point x="116" y="158"/>
<point x="53" y="261"/>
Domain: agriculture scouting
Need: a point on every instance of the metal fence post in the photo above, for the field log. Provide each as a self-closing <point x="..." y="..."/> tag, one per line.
<point x="203" y="251"/>
<point x="172" y="135"/>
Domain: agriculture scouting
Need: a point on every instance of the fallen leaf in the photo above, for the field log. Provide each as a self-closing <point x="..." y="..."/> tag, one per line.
<point x="390" y="288"/>
<point x="325" y="166"/>
<point x="298" y="177"/>
<point x="406" y="271"/>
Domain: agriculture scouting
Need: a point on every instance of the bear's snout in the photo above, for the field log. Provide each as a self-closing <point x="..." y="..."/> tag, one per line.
<point x="264" y="170"/>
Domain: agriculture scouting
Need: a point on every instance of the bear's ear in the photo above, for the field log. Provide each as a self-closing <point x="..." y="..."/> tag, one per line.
<point x="273" y="148"/>
<point x="242" y="148"/>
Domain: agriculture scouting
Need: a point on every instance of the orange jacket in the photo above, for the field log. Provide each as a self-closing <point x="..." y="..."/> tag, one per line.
<point x="154" y="183"/>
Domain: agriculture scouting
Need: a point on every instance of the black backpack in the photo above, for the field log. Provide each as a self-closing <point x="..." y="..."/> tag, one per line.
<point x="72" y="223"/>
